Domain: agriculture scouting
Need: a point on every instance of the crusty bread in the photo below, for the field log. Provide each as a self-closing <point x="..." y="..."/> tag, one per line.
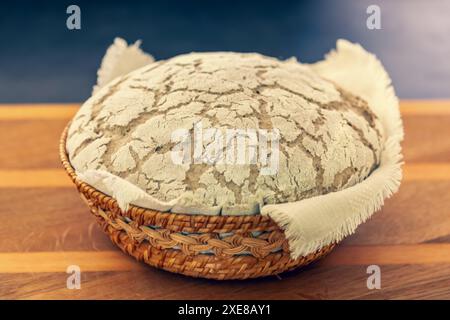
<point x="329" y="138"/>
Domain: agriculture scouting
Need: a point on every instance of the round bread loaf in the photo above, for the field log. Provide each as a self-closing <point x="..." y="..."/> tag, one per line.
<point x="318" y="137"/>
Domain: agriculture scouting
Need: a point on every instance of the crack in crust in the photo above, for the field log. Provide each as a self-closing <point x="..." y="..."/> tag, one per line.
<point x="329" y="138"/>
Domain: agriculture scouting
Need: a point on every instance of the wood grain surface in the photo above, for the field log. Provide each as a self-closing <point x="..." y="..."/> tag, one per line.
<point x="46" y="227"/>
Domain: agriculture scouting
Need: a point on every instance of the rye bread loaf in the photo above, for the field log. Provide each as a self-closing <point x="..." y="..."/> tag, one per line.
<point x="329" y="139"/>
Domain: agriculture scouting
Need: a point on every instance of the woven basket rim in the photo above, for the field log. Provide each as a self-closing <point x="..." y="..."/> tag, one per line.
<point x="210" y="223"/>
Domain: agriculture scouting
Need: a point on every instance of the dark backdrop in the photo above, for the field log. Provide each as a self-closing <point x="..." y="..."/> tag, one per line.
<point x="42" y="61"/>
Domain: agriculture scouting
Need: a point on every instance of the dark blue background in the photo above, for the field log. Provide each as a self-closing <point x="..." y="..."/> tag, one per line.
<point x="42" y="61"/>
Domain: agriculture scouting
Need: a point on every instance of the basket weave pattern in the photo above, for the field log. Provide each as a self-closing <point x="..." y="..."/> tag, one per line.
<point x="216" y="247"/>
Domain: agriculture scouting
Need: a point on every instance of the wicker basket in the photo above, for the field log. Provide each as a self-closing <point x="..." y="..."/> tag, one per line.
<point x="215" y="247"/>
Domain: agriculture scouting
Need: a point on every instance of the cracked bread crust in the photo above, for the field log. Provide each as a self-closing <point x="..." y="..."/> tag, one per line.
<point x="329" y="138"/>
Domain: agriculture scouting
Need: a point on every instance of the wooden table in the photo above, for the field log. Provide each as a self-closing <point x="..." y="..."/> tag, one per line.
<point x="45" y="227"/>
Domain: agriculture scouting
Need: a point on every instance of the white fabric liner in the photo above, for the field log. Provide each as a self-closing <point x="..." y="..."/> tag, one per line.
<point x="312" y="223"/>
<point x="120" y="58"/>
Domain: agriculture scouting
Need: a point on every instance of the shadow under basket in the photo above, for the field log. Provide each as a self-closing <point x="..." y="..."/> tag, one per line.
<point x="214" y="247"/>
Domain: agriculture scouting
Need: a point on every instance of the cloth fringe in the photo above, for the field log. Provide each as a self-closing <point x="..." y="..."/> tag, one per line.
<point x="120" y="59"/>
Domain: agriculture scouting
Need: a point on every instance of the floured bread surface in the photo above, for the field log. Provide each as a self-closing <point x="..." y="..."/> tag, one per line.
<point x="329" y="138"/>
